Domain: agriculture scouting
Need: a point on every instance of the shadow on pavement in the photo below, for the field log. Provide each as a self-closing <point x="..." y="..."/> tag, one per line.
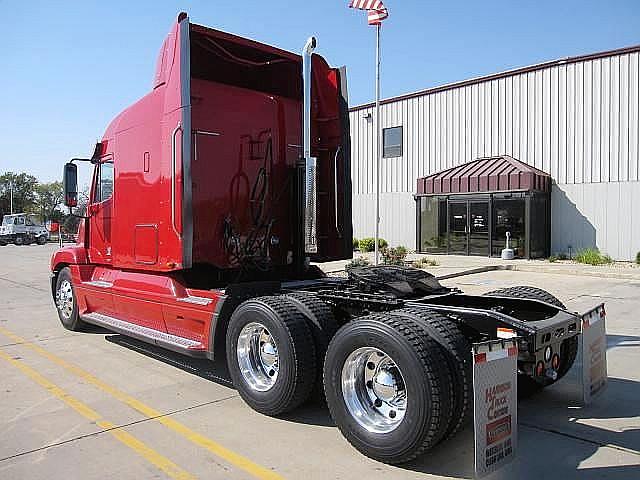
<point x="215" y="371"/>
<point x="555" y="438"/>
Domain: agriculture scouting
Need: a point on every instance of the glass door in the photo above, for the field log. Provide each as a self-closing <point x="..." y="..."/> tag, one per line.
<point x="478" y="228"/>
<point x="458" y="228"/>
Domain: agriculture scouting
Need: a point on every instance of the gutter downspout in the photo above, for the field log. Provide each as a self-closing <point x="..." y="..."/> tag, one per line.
<point x="310" y="214"/>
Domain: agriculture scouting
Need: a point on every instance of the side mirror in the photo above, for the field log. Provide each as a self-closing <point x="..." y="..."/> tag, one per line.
<point x="70" y="182"/>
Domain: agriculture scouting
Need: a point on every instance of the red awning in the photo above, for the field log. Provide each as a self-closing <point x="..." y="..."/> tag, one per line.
<point x="491" y="174"/>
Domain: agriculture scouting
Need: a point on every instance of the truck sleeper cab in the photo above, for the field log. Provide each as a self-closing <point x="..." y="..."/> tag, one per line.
<point x="210" y="198"/>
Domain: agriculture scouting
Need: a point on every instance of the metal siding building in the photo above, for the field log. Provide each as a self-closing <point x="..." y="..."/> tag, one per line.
<point x="575" y="118"/>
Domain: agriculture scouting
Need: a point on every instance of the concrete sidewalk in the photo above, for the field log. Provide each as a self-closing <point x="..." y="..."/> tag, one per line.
<point x="454" y="265"/>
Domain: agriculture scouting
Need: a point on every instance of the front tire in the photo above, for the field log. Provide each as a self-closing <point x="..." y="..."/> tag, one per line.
<point x="270" y="355"/>
<point x="387" y="387"/>
<point x="41" y="240"/>
<point x="20" y="240"/>
<point x="66" y="302"/>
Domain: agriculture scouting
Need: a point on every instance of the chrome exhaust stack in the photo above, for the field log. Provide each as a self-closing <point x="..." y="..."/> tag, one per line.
<point x="310" y="181"/>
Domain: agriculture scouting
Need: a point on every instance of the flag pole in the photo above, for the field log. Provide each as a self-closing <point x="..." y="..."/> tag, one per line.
<point x="378" y="149"/>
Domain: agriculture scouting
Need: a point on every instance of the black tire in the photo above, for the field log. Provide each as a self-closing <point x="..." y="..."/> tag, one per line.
<point x="528" y="293"/>
<point x="568" y="348"/>
<point x="19" y="240"/>
<point x="425" y="374"/>
<point x="70" y="321"/>
<point x="41" y="240"/>
<point x="457" y="352"/>
<point x="568" y="354"/>
<point x="323" y="327"/>
<point x="296" y="354"/>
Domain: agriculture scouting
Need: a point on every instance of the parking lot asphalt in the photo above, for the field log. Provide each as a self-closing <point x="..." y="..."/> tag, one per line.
<point x="99" y="405"/>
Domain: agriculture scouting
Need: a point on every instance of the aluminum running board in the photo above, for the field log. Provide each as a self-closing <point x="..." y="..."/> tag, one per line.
<point x="149" y="335"/>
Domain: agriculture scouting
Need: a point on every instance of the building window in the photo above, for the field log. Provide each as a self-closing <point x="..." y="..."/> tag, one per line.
<point x="392" y="142"/>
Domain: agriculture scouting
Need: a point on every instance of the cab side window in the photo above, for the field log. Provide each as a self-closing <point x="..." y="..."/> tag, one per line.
<point x="19" y="221"/>
<point x="104" y="185"/>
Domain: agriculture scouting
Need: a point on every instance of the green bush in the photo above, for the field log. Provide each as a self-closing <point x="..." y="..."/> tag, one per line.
<point x="356" y="242"/>
<point x="394" y="256"/>
<point x="368" y="244"/>
<point x="592" y="256"/>
<point x="425" y="262"/>
<point x="638" y="258"/>
<point x="357" y="262"/>
<point x="557" y="256"/>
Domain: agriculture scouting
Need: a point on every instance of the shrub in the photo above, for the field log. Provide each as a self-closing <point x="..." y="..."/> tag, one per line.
<point x="368" y="244"/>
<point x="553" y="258"/>
<point x="355" y="243"/>
<point x="425" y="262"/>
<point x="592" y="256"/>
<point x="638" y="258"/>
<point x="394" y="256"/>
<point x="357" y="262"/>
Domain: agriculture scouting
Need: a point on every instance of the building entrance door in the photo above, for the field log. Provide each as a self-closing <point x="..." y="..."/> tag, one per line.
<point x="458" y="228"/>
<point x="469" y="227"/>
<point x="478" y="228"/>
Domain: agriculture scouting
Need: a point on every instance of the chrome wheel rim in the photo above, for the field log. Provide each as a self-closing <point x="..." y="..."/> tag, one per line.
<point x="374" y="390"/>
<point x="258" y="357"/>
<point x="64" y="299"/>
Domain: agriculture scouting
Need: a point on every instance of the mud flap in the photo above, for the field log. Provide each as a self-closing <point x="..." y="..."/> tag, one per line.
<point x="593" y="353"/>
<point x="495" y="408"/>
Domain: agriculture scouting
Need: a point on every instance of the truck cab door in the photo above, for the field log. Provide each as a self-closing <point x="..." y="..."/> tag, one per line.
<point x="100" y="211"/>
<point x="18" y="226"/>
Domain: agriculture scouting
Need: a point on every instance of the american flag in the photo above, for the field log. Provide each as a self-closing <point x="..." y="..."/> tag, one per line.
<point x="375" y="8"/>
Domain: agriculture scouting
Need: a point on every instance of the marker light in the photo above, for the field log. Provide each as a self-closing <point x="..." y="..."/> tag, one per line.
<point x="555" y="361"/>
<point x="539" y="369"/>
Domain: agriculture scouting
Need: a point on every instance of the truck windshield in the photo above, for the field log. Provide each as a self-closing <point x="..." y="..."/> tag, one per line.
<point x="7" y="221"/>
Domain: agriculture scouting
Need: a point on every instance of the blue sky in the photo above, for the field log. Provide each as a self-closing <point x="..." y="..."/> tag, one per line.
<point x="69" y="67"/>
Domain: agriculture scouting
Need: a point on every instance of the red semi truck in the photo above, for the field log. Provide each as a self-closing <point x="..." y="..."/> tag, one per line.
<point x="210" y="198"/>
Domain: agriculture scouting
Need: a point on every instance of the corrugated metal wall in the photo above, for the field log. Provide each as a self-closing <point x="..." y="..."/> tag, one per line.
<point x="578" y="121"/>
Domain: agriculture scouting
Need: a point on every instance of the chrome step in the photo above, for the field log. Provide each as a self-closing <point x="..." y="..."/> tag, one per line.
<point x="98" y="283"/>
<point x="149" y="335"/>
<point x="195" y="300"/>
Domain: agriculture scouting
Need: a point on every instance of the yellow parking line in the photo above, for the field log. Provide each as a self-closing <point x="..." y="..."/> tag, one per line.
<point x="163" y="463"/>
<point x="230" y="456"/>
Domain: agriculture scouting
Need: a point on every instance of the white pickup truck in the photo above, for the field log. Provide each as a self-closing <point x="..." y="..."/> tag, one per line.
<point x="22" y="229"/>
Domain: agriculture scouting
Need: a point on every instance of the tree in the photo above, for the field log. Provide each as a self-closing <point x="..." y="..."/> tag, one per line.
<point x="23" y="186"/>
<point x="71" y="222"/>
<point x="49" y="197"/>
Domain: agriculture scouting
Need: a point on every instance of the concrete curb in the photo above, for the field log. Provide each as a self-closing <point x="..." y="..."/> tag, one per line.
<point x="529" y="268"/>
<point x="541" y="269"/>
<point x="471" y="271"/>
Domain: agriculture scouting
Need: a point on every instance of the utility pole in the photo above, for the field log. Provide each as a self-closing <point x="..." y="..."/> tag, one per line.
<point x="378" y="144"/>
